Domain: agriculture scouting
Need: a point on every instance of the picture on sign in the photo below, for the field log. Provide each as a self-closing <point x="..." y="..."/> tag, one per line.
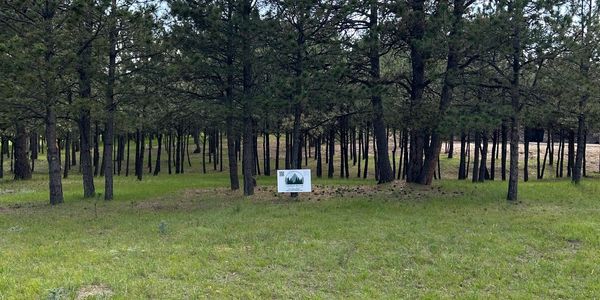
<point x="294" y="178"/>
<point x="293" y="181"/>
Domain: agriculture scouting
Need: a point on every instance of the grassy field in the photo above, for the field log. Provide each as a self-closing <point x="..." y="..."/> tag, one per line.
<point x="187" y="236"/>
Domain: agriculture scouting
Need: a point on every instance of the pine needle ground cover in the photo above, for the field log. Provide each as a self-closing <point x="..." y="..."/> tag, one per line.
<point x="187" y="236"/>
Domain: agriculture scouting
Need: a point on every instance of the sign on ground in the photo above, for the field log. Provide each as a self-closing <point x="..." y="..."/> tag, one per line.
<point x="294" y="181"/>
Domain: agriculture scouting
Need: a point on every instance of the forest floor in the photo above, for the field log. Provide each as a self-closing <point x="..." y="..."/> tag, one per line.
<point x="187" y="236"/>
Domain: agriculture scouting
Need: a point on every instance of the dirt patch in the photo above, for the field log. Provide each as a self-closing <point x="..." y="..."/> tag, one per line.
<point x="226" y="192"/>
<point x="222" y="197"/>
<point x="24" y="207"/>
<point x="395" y="190"/>
<point x="97" y="291"/>
<point x="188" y="199"/>
<point x="156" y="205"/>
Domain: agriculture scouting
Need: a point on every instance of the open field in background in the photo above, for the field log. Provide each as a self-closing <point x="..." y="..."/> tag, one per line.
<point x="187" y="236"/>
<point x="449" y="166"/>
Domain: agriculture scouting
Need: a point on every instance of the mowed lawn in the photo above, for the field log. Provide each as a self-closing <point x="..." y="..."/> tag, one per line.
<point x="187" y="237"/>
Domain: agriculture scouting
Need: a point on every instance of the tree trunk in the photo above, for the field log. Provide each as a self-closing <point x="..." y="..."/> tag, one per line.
<point x="318" y="156"/>
<point x="110" y="105"/>
<point x="12" y="156"/>
<point x="255" y="151"/>
<point x="196" y="137"/>
<point x="406" y="154"/>
<point x="238" y="147"/>
<point x="277" y="147"/>
<point x="366" y="151"/>
<point x="137" y="151"/>
<point x="561" y="154"/>
<point x="178" y="157"/>
<point x="33" y="148"/>
<point x="84" y="70"/>
<point x="375" y="159"/>
<point x="346" y="149"/>
<point x="342" y="148"/>
<point x="215" y="147"/>
<point x="399" y="172"/>
<point x="359" y="152"/>
<point x="483" y="172"/>
<point x="182" y="148"/>
<point x="248" y="122"/>
<point x="492" y="170"/>
<point x="233" y="166"/>
<point x="84" y="155"/>
<point x="515" y="95"/>
<point x="526" y="160"/>
<point x="96" y="150"/>
<point x="158" y="154"/>
<point x="150" y="138"/>
<point x="34" y="145"/>
<point x="451" y="147"/>
<point x="539" y="166"/>
<point x="550" y="144"/>
<point x="108" y="155"/>
<point x="306" y="149"/>
<point x="287" y="150"/>
<point x="52" y="153"/>
<point x="504" y="133"/>
<point x="514" y="159"/>
<point x="2" y="150"/>
<point x="584" y="67"/>
<point x="3" y="145"/>
<point x="331" y="151"/>
<point x="21" y="168"/>
<point x="298" y="97"/>
<point x="248" y="157"/>
<point x="415" y="163"/>
<point x="128" y="153"/>
<point x="439" y="169"/>
<point x="571" y="153"/>
<point x="101" y="172"/>
<point x="476" y="157"/>
<point x="394" y="151"/>
<point x="121" y="153"/>
<point x="140" y="161"/>
<point x="583" y="163"/>
<point x="204" y="137"/>
<point x="67" y="155"/>
<point x="296" y="154"/>
<point x="73" y="151"/>
<point x="186" y="150"/>
<point x="468" y="155"/>
<point x="379" y="127"/>
<point x="354" y="151"/>
<point x="416" y="29"/>
<point x="544" y="164"/>
<point x="267" y="153"/>
<point x="579" y="159"/>
<point x="422" y="169"/>
<point x="170" y="152"/>
<point x="220" y="152"/>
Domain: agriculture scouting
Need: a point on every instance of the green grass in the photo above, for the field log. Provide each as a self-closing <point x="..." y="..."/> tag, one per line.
<point x="186" y="236"/>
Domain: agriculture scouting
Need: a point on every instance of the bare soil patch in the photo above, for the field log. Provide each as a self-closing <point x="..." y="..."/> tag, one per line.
<point x="95" y="290"/>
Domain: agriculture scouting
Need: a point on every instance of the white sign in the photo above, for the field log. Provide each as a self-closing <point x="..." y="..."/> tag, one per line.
<point x="293" y="181"/>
